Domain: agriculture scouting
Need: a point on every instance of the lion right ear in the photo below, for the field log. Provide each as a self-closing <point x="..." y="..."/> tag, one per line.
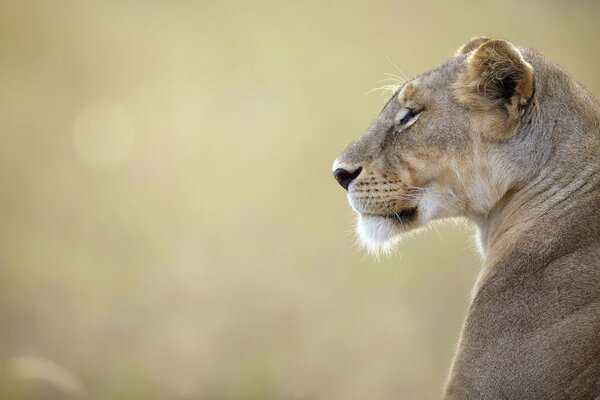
<point x="496" y="84"/>
<point x="471" y="45"/>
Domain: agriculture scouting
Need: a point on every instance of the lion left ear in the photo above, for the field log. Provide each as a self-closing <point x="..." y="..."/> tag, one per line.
<point x="471" y="45"/>
<point x="497" y="84"/>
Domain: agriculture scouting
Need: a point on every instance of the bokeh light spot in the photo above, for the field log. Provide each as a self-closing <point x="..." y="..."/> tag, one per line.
<point x="103" y="135"/>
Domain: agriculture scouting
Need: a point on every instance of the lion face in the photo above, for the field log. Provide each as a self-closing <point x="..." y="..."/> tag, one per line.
<point x="434" y="149"/>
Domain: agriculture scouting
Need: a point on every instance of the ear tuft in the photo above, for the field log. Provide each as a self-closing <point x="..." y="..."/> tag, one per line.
<point x="471" y="45"/>
<point x="497" y="82"/>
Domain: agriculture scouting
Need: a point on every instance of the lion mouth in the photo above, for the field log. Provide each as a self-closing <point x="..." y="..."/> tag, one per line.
<point x="404" y="216"/>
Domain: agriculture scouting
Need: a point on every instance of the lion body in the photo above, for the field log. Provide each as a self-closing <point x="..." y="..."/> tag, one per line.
<point x="507" y="139"/>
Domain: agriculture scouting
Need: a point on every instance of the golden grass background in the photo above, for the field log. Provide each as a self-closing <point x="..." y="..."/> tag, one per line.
<point x="169" y="225"/>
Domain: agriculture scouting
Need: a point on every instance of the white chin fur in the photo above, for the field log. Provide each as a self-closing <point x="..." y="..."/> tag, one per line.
<point x="377" y="234"/>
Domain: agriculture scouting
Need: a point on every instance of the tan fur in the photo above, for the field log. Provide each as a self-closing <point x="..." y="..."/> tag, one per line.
<point x="507" y="139"/>
<point x="481" y="87"/>
<point x="471" y="45"/>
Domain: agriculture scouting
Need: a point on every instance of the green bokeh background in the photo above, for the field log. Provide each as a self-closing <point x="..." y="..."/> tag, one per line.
<point x="170" y="228"/>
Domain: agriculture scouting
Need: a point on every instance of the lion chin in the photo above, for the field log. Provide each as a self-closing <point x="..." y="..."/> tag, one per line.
<point x="378" y="234"/>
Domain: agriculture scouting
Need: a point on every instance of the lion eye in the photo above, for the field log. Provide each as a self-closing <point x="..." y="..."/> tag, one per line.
<point x="410" y="114"/>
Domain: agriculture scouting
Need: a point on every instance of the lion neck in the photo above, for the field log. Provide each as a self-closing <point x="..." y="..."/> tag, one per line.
<point x="539" y="223"/>
<point x="532" y="215"/>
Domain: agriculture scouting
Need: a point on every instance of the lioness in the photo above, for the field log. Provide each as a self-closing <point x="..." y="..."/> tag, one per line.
<point x="504" y="137"/>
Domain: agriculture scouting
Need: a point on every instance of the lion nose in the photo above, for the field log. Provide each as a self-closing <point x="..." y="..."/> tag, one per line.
<point x="345" y="177"/>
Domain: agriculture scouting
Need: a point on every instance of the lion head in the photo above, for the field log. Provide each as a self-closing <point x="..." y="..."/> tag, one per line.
<point x="445" y="144"/>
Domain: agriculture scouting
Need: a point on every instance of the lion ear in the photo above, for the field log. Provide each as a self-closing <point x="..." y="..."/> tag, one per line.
<point x="471" y="45"/>
<point x="497" y="83"/>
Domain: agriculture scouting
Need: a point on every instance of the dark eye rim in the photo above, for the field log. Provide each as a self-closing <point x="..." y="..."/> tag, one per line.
<point x="410" y="114"/>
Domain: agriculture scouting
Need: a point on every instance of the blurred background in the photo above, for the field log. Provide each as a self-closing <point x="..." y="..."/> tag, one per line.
<point x="169" y="225"/>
